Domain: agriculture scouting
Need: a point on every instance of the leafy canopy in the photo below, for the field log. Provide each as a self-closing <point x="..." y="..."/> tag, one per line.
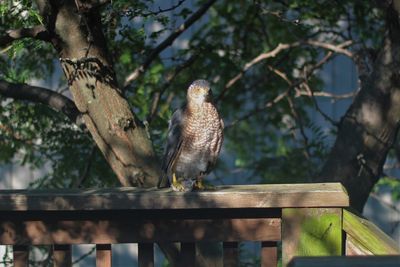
<point x="270" y="136"/>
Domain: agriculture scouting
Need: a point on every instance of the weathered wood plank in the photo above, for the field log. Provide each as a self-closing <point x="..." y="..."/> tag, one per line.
<point x="368" y="236"/>
<point x="355" y="248"/>
<point x="62" y="256"/>
<point x="103" y="255"/>
<point x="146" y="255"/>
<point x="311" y="232"/>
<point x="20" y="256"/>
<point x="231" y="254"/>
<point x="113" y="232"/>
<point x="243" y="196"/>
<point x="353" y="261"/>
<point x="269" y="254"/>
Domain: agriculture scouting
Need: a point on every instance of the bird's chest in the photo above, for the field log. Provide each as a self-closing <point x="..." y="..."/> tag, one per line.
<point x="201" y="130"/>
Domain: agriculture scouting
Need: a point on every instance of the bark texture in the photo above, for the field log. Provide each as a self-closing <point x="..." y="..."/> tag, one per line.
<point x="121" y="137"/>
<point x="369" y="128"/>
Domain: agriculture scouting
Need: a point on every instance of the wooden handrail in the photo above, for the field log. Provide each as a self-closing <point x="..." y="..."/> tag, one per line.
<point x="223" y="197"/>
<point x="365" y="238"/>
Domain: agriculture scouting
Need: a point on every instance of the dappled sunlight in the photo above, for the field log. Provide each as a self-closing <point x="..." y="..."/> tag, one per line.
<point x="370" y="114"/>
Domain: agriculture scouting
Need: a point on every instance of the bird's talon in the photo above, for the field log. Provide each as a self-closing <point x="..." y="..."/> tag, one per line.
<point x="200" y="186"/>
<point x="177" y="185"/>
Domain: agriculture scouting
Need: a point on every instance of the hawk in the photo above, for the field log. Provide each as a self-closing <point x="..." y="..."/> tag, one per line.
<point x="195" y="135"/>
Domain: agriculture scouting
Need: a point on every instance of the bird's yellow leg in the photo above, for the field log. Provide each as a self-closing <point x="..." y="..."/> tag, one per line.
<point x="176" y="185"/>
<point x="174" y="180"/>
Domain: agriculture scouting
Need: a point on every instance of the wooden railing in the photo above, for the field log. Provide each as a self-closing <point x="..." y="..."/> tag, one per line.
<point x="365" y="238"/>
<point x="305" y="219"/>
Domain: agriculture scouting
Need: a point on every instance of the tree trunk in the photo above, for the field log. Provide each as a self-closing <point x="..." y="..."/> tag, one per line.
<point x="121" y="137"/>
<point x="369" y="128"/>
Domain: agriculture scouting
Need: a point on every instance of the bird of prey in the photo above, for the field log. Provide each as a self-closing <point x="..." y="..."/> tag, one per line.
<point x="195" y="135"/>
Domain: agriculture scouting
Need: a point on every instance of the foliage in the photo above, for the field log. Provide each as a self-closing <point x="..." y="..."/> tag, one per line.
<point x="273" y="141"/>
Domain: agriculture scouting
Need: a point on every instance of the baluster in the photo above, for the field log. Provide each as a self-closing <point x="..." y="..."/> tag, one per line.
<point x="20" y="254"/>
<point x="146" y="254"/>
<point x="62" y="256"/>
<point x="188" y="254"/>
<point x="231" y="254"/>
<point x="103" y="255"/>
<point x="269" y="254"/>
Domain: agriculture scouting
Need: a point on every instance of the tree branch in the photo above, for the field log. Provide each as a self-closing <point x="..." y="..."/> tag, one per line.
<point x="41" y="95"/>
<point x="253" y="112"/>
<point x="335" y="48"/>
<point x="291" y="84"/>
<point x="38" y="32"/>
<point x="161" y="10"/>
<point x="170" y="76"/>
<point x="167" y="42"/>
<point x="330" y="95"/>
<point x="273" y="53"/>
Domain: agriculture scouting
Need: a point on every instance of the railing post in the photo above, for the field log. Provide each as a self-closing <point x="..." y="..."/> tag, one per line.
<point x="62" y="256"/>
<point x="311" y="232"/>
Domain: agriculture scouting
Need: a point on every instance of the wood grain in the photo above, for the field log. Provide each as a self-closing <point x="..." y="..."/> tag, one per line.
<point x="366" y="237"/>
<point x="243" y="196"/>
<point x="115" y="232"/>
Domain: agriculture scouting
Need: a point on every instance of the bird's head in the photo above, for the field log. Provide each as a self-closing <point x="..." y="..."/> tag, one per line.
<point x="199" y="92"/>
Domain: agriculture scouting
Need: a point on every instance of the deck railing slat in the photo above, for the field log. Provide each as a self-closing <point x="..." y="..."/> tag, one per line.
<point x="231" y="254"/>
<point x="269" y="254"/>
<point x="103" y="255"/>
<point x="62" y="256"/>
<point x="20" y="256"/>
<point x="188" y="254"/>
<point x="146" y="254"/>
